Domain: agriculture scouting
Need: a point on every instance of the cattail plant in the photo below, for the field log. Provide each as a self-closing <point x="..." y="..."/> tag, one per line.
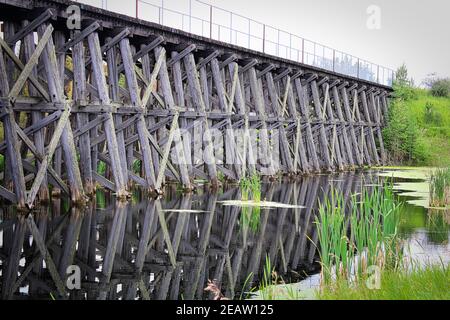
<point x="440" y="188"/>
<point x="349" y="243"/>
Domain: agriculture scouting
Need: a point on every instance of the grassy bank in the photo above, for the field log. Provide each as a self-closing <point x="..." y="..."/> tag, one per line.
<point x="419" y="129"/>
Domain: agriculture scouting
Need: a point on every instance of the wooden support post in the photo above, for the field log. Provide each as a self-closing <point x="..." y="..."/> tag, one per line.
<point x="362" y="137"/>
<point x="351" y="120"/>
<point x="264" y="155"/>
<point x="67" y="141"/>
<point x="100" y="82"/>
<point x="248" y="160"/>
<point x="39" y="141"/>
<point x="147" y="72"/>
<point x="136" y="101"/>
<point x="368" y="120"/>
<point x="179" y="90"/>
<point x="80" y="96"/>
<point x="278" y="109"/>
<point x="12" y="142"/>
<point x="196" y="92"/>
<point x="170" y="103"/>
<point x="376" y="107"/>
<point x="113" y="78"/>
<point x="344" y="134"/>
<point x="304" y="108"/>
<point x="230" y="141"/>
<point x="323" y="137"/>
<point x="335" y="145"/>
<point x="300" y="157"/>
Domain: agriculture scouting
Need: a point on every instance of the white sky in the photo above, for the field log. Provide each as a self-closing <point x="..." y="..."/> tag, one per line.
<point x="414" y="32"/>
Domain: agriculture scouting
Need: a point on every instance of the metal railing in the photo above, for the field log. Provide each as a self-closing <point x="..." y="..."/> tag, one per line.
<point x="210" y="21"/>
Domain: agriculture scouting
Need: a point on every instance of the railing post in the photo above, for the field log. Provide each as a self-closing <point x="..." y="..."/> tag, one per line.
<point x="162" y="11"/>
<point x="334" y="60"/>
<point x="378" y="74"/>
<point x="264" y="38"/>
<point x="290" y="46"/>
<point x="137" y="9"/>
<point x="249" y="33"/>
<point x="357" y="74"/>
<point x="210" y="21"/>
<point x="303" y="50"/>
<point x="231" y="27"/>
<point x="190" y="16"/>
<point x="278" y="46"/>
<point x="314" y="60"/>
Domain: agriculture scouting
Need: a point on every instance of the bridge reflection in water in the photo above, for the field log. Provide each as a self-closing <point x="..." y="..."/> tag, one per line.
<point x="165" y="249"/>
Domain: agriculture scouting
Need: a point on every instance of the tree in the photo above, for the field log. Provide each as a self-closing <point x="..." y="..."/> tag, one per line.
<point x="401" y="76"/>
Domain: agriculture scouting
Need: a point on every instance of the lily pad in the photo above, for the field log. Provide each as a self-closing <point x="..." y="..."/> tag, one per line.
<point x="262" y="204"/>
<point x="184" y="211"/>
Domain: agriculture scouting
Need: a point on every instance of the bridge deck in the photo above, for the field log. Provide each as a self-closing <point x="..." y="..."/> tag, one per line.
<point x="124" y="101"/>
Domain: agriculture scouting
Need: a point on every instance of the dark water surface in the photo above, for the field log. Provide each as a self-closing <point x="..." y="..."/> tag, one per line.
<point x="170" y="248"/>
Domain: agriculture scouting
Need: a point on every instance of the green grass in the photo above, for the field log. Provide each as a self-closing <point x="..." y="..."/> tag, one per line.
<point x="431" y="283"/>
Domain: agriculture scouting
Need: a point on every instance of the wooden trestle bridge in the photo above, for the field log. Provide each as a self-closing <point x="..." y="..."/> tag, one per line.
<point x="121" y="91"/>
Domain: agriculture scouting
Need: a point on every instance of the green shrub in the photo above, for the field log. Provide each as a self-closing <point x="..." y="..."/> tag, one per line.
<point x="400" y="135"/>
<point x="431" y="116"/>
<point x="404" y="93"/>
<point x="441" y="88"/>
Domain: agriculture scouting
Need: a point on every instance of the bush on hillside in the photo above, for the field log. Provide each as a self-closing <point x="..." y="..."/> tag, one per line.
<point x="404" y="93"/>
<point x="431" y="116"/>
<point x="441" y="88"/>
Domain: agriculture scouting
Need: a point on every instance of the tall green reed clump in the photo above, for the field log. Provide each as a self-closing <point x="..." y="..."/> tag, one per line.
<point x="440" y="188"/>
<point x="251" y="190"/>
<point x="367" y="236"/>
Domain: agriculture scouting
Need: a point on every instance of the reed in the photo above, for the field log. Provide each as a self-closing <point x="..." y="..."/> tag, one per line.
<point x="440" y="188"/>
<point x="251" y="190"/>
<point x="367" y="236"/>
<point x="267" y="281"/>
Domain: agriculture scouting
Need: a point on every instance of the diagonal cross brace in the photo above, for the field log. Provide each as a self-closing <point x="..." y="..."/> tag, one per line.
<point x="48" y="157"/>
<point x="48" y="14"/>
<point x="32" y="62"/>
<point x="152" y="85"/>
<point x="21" y="67"/>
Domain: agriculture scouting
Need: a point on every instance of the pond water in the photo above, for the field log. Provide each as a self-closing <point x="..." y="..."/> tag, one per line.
<point x="169" y="248"/>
